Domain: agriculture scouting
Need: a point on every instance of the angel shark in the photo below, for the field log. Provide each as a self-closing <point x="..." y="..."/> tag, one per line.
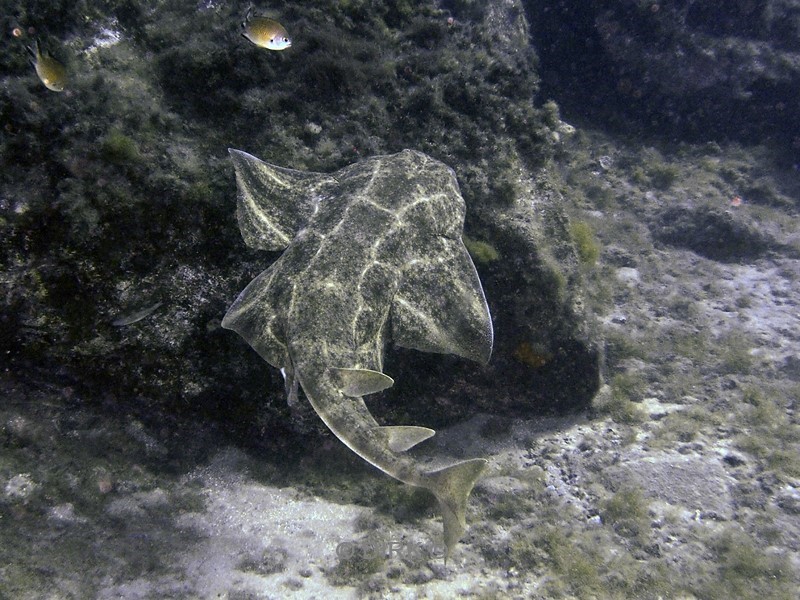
<point x="371" y="251"/>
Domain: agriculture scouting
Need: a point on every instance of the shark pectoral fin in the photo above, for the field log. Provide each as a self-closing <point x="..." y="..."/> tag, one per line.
<point x="403" y="437"/>
<point x="440" y="306"/>
<point x="452" y="486"/>
<point x="274" y="203"/>
<point x="254" y="317"/>
<point x="360" y="382"/>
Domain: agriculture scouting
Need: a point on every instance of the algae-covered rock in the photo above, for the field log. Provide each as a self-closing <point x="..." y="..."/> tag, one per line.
<point x="681" y="69"/>
<point x="117" y="194"/>
<point x="713" y="233"/>
<point x="543" y="347"/>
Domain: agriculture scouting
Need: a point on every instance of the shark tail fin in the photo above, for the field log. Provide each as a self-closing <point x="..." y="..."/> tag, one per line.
<point x="452" y="486"/>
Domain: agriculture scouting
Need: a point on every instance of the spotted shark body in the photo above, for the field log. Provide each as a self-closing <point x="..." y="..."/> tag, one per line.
<point x="371" y="251"/>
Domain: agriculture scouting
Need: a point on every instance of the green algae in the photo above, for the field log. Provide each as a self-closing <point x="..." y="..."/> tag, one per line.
<point x="358" y="560"/>
<point x="663" y="176"/>
<point x="481" y="251"/>
<point x="682" y="427"/>
<point x="621" y="399"/>
<point x="769" y="434"/>
<point x="626" y="512"/>
<point x="742" y="569"/>
<point x="586" y="565"/>
<point x="119" y="149"/>
<point x="585" y="242"/>
<point x="735" y="353"/>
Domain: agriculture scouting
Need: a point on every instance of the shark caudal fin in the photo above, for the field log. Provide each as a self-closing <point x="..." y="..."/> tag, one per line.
<point x="452" y="486"/>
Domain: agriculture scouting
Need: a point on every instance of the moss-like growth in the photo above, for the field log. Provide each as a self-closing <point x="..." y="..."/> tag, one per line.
<point x="511" y="506"/>
<point x="524" y="553"/>
<point x="506" y="188"/>
<point x="403" y="502"/>
<point x="735" y="355"/>
<point x="357" y="560"/>
<point x="618" y="401"/>
<point x="682" y="427"/>
<point x="693" y="345"/>
<point x="745" y="571"/>
<point x="639" y="177"/>
<point x="534" y="355"/>
<point x="199" y="192"/>
<point x="585" y="243"/>
<point x="481" y="252"/>
<point x="764" y="411"/>
<point x="551" y="114"/>
<point x="772" y="437"/>
<point x="630" y="386"/>
<point x="601" y="196"/>
<point x="620" y="346"/>
<point x="663" y="176"/>
<point x="775" y="455"/>
<point x="117" y="148"/>
<point x="684" y="309"/>
<point x="578" y="563"/>
<point x="554" y="548"/>
<point x="626" y="512"/>
<point x="273" y="560"/>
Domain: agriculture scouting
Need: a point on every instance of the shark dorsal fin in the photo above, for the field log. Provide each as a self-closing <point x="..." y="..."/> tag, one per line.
<point x="360" y="382"/>
<point x="403" y="437"/>
<point x="274" y="203"/>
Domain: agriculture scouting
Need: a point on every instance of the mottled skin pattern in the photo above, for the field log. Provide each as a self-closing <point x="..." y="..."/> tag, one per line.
<point x="371" y="249"/>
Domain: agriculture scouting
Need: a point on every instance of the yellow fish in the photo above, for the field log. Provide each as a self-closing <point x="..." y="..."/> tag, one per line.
<point x="265" y="32"/>
<point x="52" y="73"/>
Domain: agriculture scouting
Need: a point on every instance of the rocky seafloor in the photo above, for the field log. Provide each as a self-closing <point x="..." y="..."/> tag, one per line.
<point x="679" y="478"/>
<point x="680" y="481"/>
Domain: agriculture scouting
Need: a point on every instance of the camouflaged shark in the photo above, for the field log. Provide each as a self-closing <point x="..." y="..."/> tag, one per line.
<point x="370" y="251"/>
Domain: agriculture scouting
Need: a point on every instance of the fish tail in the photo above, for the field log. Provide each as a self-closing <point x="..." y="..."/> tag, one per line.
<point x="452" y="486"/>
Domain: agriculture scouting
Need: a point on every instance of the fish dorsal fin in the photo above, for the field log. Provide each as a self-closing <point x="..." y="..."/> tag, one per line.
<point x="360" y="382"/>
<point x="274" y="203"/>
<point x="403" y="437"/>
<point x="440" y="306"/>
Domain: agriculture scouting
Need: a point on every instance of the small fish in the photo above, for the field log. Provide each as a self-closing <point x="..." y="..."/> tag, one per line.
<point x="265" y="32"/>
<point x="135" y="317"/>
<point x="52" y="73"/>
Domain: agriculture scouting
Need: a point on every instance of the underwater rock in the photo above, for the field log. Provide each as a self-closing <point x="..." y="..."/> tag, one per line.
<point x="713" y="233"/>
<point x="678" y="68"/>
<point x="694" y="483"/>
<point x="94" y="229"/>
<point x="544" y="348"/>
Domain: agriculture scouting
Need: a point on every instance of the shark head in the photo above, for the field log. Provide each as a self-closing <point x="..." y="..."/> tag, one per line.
<point x="405" y="210"/>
